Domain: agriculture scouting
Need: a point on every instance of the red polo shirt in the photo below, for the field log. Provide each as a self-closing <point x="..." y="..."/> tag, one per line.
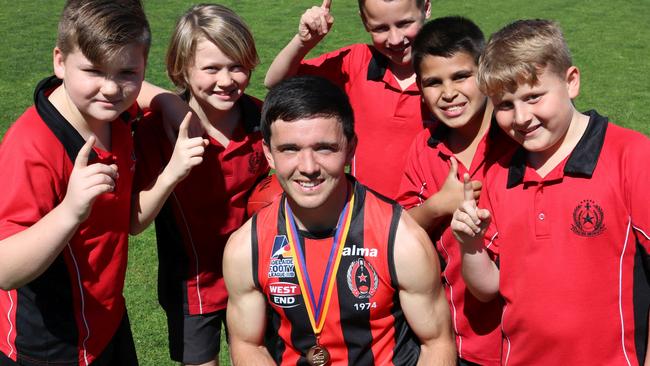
<point x="476" y="324"/>
<point x="71" y="311"/>
<point x="387" y="118"/>
<point x="572" y="249"/>
<point x="203" y="210"/>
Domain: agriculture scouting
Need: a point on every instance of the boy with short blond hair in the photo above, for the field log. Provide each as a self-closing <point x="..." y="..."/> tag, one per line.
<point x="68" y="168"/>
<point x="378" y="78"/>
<point x="466" y="140"/>
<point x="566" y="215"/>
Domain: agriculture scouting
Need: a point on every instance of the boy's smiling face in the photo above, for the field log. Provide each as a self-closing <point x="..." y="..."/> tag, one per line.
<point x="393" y="25"/>
<point x="100" y="93"/>
<point x="450" y="90"/>
<point x="539" y="116"/>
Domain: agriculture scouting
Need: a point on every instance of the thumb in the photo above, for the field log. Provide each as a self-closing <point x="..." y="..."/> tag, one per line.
<point x="453" y="169"/>
<point x="83" y="154"/>
<point x="183" y="129"/>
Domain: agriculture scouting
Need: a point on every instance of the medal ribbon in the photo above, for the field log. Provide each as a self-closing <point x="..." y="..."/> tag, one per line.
<point x="318" y="311"/>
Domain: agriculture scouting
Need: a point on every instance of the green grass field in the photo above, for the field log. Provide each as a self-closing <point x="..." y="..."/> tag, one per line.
<point x="609" y="43"/>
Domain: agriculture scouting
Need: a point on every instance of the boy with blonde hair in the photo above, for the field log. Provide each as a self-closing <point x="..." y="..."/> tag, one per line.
<point x="566" y="215"/>
<point x="378" y="78"/>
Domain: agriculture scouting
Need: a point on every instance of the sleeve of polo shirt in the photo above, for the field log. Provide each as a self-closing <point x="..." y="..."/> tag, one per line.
<point x="637" y="175"/>
<point x="413" y="189"/>
<point x="31" y="179"/>
<point x="334" y="66"/>
<point x="149" y="143"/>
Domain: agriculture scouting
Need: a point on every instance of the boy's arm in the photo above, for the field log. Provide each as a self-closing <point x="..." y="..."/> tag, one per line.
<point x="28" y="253"/>
<point x="421" y="296"/>
<point x="469" y="224"/>
<point x="188" y="153"/>
<point x="443" y="203"/>
<point x="171" y="107"/>
<point x="245" y="301"/>
<point x="315" y="23"/>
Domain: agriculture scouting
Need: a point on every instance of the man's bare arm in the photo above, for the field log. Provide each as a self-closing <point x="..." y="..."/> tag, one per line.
<point x="421" y="295"/>
<point x="246" y="312"/>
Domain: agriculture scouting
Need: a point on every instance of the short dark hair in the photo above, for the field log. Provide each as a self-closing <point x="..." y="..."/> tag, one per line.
<point x="305" y="97"/>
<point x="100" y="29"/>
<point x="446" y="37"/>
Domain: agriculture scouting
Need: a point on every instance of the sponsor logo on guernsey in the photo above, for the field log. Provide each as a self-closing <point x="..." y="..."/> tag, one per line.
<point x="284" y="294"/>
<point x="355" y="251"/>
<point x="362" y="279"/>
<point x="588" y="219"/>
<point x="281" y="264"/>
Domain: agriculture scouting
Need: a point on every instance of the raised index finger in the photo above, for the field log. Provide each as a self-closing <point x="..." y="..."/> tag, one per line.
<point x="183" y="129"/>
<point x="468" y="191"/>
<point x="326" y="4"/>
<point x="83" y="154"/>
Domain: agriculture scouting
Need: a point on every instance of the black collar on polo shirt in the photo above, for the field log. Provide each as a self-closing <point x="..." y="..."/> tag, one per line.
<point x="251" y="114"/>
<point x="441" y="131"/>
<point x="377" y="65"/>
<point x="62" y="129"/>
<point x="583" y="158"/>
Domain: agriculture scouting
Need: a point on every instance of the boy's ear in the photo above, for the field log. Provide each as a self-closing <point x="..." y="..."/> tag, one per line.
<point x="267" y="154"/>
<point x="352" y="147"/>
<point x="427" y="9"/>
<point x="58" y="62"/>
<point x="573" y="81"/>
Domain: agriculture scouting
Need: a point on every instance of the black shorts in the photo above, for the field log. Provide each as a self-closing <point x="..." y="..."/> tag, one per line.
<point x="195" y="339"/>
<point x="119" y="351"/>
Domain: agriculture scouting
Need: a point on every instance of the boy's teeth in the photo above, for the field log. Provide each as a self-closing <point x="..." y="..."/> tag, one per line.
<point x="307" y="184"/>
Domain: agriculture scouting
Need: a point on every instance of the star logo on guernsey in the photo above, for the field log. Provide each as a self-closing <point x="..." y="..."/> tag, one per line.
<point x="362" y="279"/>
<point x="588" y="219"/>
<point x="281" y="265"/>
<point x="356" y="251"/>
<point x="284" y="294"/>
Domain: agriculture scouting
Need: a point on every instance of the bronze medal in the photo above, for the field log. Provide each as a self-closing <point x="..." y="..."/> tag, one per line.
<point x="318" y="356"/>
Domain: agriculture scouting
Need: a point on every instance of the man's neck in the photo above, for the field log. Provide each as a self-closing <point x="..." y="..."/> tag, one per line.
<point x="325" y="217"/>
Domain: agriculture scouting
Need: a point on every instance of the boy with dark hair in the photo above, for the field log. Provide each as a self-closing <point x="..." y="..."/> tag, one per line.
<point x="338" y="274"/>
<point x="378" y="79"/>
<point x="567" y="213"/>
<point x="445" y="59"/>
<point x="67" y="174"/>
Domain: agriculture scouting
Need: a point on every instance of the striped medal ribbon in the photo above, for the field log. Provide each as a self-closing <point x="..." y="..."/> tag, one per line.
<point x="317" y="310"/>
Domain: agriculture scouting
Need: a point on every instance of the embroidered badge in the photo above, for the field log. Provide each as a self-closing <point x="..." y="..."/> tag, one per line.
<point x="281" y="264"/>
<point x="588" y="219"/>
<point x="362" y="279"/>
<point x="255" y="161"/>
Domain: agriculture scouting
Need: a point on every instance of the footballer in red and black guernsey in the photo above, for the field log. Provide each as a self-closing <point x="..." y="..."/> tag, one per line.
<point x="350" y="278"/>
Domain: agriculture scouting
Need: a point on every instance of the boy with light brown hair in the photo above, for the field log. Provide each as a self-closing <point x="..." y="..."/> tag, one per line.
<point x="566" y="216"/>
<point x="65" y="217"/>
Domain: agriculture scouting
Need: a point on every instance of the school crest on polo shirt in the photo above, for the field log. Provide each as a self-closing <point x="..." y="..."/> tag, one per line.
<point x="281" y="263"/>
<point x="255" y="160"/>
<point x="588" y="219"/>
<point x="362" y="279"/>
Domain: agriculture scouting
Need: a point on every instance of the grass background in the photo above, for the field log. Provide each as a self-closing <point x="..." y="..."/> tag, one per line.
<point x="609" y="42"/>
